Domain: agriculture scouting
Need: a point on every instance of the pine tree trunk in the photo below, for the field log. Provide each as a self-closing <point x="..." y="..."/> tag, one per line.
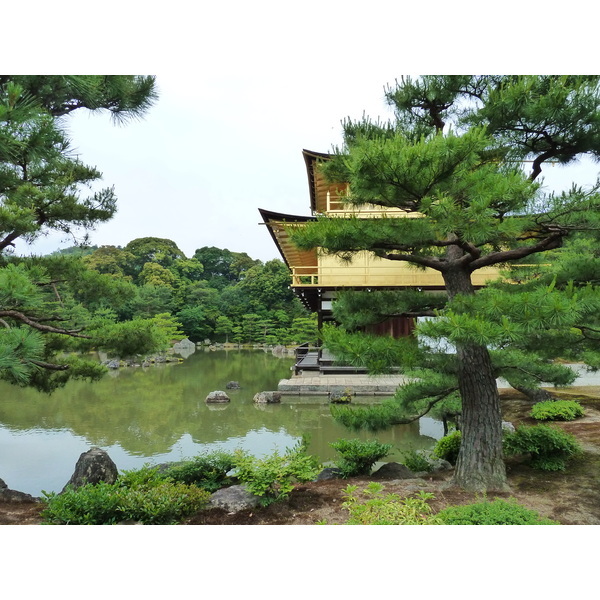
<point x="480" y="465"/>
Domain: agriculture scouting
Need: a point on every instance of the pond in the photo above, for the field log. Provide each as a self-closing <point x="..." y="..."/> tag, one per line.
<point x="158" y="414"/>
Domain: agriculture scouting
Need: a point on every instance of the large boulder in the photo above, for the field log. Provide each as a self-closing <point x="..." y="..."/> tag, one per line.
<point x="393" y="470"/>
<point x="217" y="397"/>
<point x="267" y="398"/>
<point x="93" y="467"/>
<point x="234" y="499"/>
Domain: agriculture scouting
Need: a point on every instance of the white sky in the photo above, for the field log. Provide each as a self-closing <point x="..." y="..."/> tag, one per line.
<point x="244" y="87"/>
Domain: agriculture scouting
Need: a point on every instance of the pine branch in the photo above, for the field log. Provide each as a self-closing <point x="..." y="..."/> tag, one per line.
<point x="551" y="242"/>
<point x="438" y="398"/>
<point x="19" y="316"/>
<point x="49" y="366"/>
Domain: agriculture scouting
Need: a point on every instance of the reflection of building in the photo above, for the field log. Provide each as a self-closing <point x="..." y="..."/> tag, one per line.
<point x="316" y="277"/>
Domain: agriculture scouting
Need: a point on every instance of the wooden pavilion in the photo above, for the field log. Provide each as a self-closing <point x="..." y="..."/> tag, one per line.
<point x="317" y="277"/>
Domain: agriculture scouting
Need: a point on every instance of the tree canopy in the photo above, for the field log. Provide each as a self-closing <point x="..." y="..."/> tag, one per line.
<point x="453" y="155"/>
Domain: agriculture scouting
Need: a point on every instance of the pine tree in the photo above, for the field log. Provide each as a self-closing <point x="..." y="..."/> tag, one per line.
<point x="453" y="156"/>
<point x="41" y="183"/>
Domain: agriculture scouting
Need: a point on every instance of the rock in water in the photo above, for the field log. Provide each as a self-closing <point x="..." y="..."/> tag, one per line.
<point x="93" y="466"/>
<point x="267" y="398"/>
<point x="217" y="397"/>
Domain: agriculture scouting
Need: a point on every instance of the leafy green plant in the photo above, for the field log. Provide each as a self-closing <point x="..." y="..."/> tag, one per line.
<point x="207" y="471"/>
<point x="358" y="457"/>
<point x="273" y="477"/>
<point x="557" y="410"/>
<point x="447" y="448"/>
<point x="416" y="461"/>
<point x="388" y="509"/>
<point x="550" y="448"/>
<point x="497" y="512"/>
<point x="142" y="495"/>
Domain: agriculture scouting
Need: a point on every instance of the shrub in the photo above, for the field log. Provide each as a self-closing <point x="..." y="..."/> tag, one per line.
<point x="447" y="448"/>
<point x="357" y="457"/>
<point x="416" y="461"/>
<point x="388" y="509"/>
<point x="498" y="512"/>
<point x="557" y="410"/>
<point x="272" y="478"/>
<point x="142" y="495"/>
<point x="550" y="448"/>
<point x="207" y="471"/>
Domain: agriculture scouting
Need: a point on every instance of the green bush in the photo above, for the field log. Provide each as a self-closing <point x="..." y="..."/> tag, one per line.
<point x="142" y="495"/>
<point x="447" y="448"/>
<point x="207" y="471"/>
<point x="358" y="457"/>
<point x="272" y="478"/>
<point x="416" y="461"/>
<point x="498" y="512"/>
<point x="550" y="448"/>
<point x="557" y="410"/>
<point x="388" y="509"/>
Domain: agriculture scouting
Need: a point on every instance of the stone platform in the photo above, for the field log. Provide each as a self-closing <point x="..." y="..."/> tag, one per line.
<point x="384" y="385"/>
<point x="361" y="385"/>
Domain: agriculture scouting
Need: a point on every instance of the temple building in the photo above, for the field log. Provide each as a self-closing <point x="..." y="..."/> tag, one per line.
<point x="316" y="277"/>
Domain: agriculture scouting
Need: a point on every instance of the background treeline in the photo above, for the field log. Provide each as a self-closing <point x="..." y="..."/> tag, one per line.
<point x="216" y="294"/>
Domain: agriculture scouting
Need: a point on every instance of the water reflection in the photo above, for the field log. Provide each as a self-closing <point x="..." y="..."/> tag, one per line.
<point x="141" y="415"/>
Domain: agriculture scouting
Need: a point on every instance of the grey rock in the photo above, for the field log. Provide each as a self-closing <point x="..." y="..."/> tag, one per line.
<point x="93" y="466"/>
<point x="267" y="398"/>
<point x="508" y="427"/>
<point x="232" y="385"/>
<point x="393" y="470"/>
<point x="217" y="397"/>
<point x="234" y="499"/>
<point x="184" y="344"/>
<point x="329" y="473"/>
<point x="439" y="464"/>
<point x="8" y="495"/>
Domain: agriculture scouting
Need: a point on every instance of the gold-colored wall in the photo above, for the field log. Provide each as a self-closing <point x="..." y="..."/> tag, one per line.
<point x="368" y="270"/>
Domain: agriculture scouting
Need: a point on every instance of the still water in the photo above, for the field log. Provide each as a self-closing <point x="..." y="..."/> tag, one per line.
<point x="158" y="414"/>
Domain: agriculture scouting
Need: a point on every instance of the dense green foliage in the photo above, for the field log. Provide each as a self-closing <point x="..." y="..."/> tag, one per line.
<point x="550" y="448"/>
<point x="557" y="410"/>
<point x="387" y="509"/>
<point x="447" y="448"/>
<point x="416" y="461"/>
<point x="208" y="471"/>
<point x="143" y="495"/>
<point x="497" y="512"/>
<point x="357" y="456"/>
<point x="273" y="477"/>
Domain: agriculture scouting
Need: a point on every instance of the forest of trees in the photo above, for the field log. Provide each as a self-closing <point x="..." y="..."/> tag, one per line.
<point x="215" y="295"/>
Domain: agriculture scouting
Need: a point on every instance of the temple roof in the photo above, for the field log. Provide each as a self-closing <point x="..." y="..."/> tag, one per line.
<point x="292" y="256"/>
<point x="317" y="185"/>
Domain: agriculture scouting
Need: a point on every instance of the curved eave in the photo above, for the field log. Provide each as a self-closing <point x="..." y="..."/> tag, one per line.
<point x="317" y="186"/>
<point x="292" y="256"/>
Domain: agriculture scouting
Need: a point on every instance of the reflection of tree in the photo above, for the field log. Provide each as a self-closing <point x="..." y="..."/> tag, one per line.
<point x="146" y="411"/>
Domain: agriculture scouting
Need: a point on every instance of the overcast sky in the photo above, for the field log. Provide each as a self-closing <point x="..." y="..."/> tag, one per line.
<point x="243" y="88"/>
